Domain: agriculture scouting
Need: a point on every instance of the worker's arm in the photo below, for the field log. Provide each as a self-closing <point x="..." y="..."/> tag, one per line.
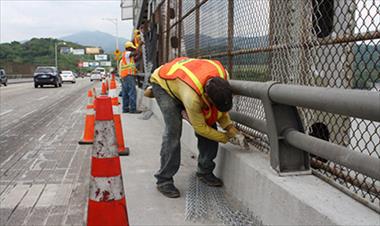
<point x="119" y="68"/>
<point x="193" y="105"/>
<point x="226" y="123"/>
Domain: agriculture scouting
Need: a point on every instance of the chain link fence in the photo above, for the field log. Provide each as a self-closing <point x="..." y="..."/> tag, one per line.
<point x="307" y="42"/>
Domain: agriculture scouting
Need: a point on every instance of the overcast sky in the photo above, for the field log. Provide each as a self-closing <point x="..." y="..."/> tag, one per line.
<point x="23" y="19"/>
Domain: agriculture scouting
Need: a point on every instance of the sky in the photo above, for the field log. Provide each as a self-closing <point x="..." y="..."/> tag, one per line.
<point x="22" y="20"/>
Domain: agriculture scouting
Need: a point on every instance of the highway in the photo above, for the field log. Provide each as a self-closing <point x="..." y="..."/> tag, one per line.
<point x="43" y="169"/>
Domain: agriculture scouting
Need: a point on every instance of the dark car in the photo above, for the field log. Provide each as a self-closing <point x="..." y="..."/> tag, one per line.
<point x="3" y="77"/>
<point x="47" y="76"/>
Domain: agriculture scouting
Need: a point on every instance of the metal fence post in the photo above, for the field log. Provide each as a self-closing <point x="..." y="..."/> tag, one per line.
<point x="179" y="27"/>
<point x="167" y="37"/>
<point x="230" y="24"/>
<point x="284" y="158"/>
<point x="197" y="27"/>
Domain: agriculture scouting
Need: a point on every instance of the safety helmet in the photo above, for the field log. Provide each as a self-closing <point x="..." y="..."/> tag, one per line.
<point x="129" y="44"/>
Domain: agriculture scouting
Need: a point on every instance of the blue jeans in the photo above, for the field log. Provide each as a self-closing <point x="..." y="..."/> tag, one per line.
<point x="129" y="93"/>
<point x="171" y="140"/>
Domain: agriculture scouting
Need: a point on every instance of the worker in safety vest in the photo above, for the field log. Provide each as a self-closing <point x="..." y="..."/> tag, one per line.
<point x="199" y="87"/>
<point x="127" y="73"/>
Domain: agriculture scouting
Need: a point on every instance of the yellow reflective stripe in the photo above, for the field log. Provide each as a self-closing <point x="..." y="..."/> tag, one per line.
<point x="194" y="78"/>
<point x="220" y="71"/>
<point x="178" y="65"/>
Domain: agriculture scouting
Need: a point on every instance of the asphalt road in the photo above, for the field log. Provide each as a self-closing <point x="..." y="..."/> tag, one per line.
<point x="44" y="172"/>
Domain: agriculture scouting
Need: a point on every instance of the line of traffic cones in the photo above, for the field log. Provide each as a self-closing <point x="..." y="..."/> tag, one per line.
<point x="88" y="134"/>
<point x="117" y="119"/>
<point x="107" y="203"/>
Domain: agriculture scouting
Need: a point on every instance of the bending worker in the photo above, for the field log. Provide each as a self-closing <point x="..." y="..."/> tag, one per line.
<point x="127" y="74"/>
<point x="199" y="87"/>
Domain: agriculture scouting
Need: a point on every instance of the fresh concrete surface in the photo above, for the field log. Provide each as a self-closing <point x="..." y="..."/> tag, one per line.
<point x="294" y="200"/>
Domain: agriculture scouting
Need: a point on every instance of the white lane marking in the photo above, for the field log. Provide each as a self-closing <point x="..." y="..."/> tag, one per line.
<point x="32" y="196"/>
<point x="28" y="113"/>
<point x="6" y="112"/>
<point x="41" y="137"/>
<point x="42" y="98"/>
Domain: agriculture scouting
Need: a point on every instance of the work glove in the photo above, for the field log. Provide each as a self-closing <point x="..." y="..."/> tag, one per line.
<point x="148" y="92"/>
<point x="231" y="131"/>
<point x="240" y="140"/>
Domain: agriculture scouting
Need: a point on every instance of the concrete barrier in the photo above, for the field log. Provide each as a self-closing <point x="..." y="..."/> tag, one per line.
<point x="294" y="200"/>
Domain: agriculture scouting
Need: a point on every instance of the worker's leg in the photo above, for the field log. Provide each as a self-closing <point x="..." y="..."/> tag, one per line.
<point x="124" y="89"/>
<point x="207" y="153"/>
<point x="171" y="145"/>
<point x="131" y="89"/>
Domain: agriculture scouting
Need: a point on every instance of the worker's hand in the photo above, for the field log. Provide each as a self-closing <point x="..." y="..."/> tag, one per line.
<point x="231" y="131"/>
<point x="240" y="140"/>
<point x="148" y="92"/>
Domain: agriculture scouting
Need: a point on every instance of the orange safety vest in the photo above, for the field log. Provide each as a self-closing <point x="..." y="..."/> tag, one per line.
<point x="127" y="67"/>
<point x="196" y="73"/>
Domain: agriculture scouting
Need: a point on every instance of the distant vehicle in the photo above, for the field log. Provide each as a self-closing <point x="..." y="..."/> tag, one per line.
<point x="45" y="75"/>
<point x="101" y="70"/>
<point x="95" y="75"/>
<point x="3" y="77"/>
<point x="68" y="76"/>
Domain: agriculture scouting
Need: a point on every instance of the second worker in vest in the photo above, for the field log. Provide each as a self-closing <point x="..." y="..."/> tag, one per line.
<point x="127" y="72"/>
<point x="199" y="87"/>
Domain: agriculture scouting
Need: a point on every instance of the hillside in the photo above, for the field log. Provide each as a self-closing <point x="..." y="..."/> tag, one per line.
<point x="38" y="51"/>
<point x="95" y="38"/>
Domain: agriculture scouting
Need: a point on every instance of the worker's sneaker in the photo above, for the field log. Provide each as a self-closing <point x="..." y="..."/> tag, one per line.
<point x="169" y="190"/>
<point x="210" y="179"/>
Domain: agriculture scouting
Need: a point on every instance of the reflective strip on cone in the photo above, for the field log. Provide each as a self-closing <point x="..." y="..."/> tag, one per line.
<point x="116" y="109"/>
<point x="112" y="93"/>
<point x="105" y="145"/>
<point x="105" y="189"/>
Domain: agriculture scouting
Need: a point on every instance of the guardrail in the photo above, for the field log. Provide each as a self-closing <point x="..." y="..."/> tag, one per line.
<point x="290" y="146"/>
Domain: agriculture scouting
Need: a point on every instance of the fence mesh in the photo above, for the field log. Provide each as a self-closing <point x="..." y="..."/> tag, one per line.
<point x="314" y="43"/>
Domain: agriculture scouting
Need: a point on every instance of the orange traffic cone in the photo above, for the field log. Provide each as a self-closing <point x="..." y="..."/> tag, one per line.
<point x="107" y="204"/>
<point x="117" y="119"/>
<point x="104" y="87"/>
<point x="88" y="134"/>
<point x="107" y="86"/>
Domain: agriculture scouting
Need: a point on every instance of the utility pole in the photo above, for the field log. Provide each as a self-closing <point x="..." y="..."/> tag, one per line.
<point x="55" y="52"/>
<point x="115" y="22"/>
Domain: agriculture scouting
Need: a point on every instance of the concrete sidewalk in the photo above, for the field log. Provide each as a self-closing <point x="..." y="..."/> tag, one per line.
<point x="146" y="206"/>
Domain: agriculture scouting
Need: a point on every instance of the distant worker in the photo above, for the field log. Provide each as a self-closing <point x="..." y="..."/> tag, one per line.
<point x="127" y="73"/>
<point x="201" y="88"/>
<point x="136" y="38"/>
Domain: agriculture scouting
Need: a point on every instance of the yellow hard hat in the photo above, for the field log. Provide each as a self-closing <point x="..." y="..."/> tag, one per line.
<point x="129" y="44"/>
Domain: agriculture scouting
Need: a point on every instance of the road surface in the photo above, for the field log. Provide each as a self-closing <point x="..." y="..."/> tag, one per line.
<point x="44" y="172"/>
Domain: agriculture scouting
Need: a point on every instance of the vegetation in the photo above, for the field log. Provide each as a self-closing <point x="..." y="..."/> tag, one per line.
<point x="41" y="51"/>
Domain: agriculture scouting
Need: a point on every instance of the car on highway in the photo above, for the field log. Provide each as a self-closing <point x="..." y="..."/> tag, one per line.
<point x="3" y="77"/>
<point x="47" y="75"/>
<point x="68" y="76"/>
<point x="95" y="75"/>
<point x="102" y="71"/>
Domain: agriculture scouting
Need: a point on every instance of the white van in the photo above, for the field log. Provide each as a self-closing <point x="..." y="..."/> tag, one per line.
<point x="101" y="70"/>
